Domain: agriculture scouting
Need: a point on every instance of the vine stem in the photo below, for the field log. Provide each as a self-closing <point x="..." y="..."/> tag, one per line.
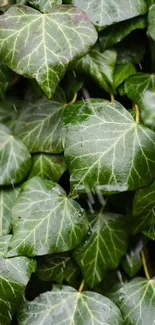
<point x="103" y="206"/>
<point x="74" y="99"/>
<point x="145" y="265"/>
<point x="112" y="98"/>
<point x="137" y="113"/>
<point x="81" y="286"/>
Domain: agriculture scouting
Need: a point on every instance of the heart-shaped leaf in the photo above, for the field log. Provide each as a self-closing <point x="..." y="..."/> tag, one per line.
<point x="103" y="247"/>
<point x="62" y="35"/>
<point x="15" y="159"/>
<point x="45" y="220"/>
<point x="66" y="305"/>
<point x="45" y="5"/>
<point x="105" y="150"/>
<point x="7" y="199"/>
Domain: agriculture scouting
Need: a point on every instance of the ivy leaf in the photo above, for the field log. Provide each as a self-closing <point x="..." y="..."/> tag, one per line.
<point x="15" y="160"/>
<point x="45" y="220"/>
<point x="144" y="208"/>
<point x="57" y="267"/>
<point x="115" y="33"/>
<point x="103" y="247"/>
<point x="151" y="22"/>
<point x="103" y="14"/>
<point x="7" y="199"/>
<point x="14" y="276"/>
<point x="122" y="72"/>
<point x="132" y="261"/>
<point x="4" y="244"/>
<point x="100" y="66"/>
<point x="5" y="78"/>
<point x="48" y="166"/>
<point x="136" y="301"/>
<point x="66" y="305"/>
<point x="44" y="57"/>
<point x="39" y="125"/>
<point x="9" y="111"/>
<point x="105" y="150"/>
<point x="45" y="5"/>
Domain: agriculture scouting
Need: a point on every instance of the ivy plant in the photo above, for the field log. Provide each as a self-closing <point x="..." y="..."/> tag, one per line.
<point x="77" y="162"/>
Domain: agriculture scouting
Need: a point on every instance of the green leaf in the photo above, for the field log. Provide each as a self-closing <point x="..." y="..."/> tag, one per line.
<point x="122" y="72"/>
<point x="62" y="35"/>
<point x="65" y="305"/>
<point x="7" y="199"/>
<point x="15" y="160"/>
<point x="136" y="301"/>
<point x="100" y="66"/>
<point x="45" y="220"/>
<point x="14" y="276"/>
<point x="151" y="21"/>
<point x="39" y="125"/>
<point x="72" y="84"/>
<point x="9" y="111"/>
<point x="4" y="244"/>
<point x="45" y="5"/>
<point x="48" y="166"/>
<point x="103" y="247"/>
<point x="57" y="267"/>
<point x="5" y="78"/>
<point x="115" y="33"/>
<point x="144" y="208"/>
<point x="105" y="150"/>
<point x="132" y="261"/>
<point x="103" y="13"/>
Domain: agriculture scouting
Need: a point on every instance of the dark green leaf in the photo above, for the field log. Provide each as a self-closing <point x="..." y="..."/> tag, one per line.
<point x="137" y="84"/>
<point x="103" y="247"/>
<point x="65" y="305"/>
<point x="5" y="78"/>
<point x="45" y="5"/>
<point x="151" y="21"/>
<point x="9" y="111"/>
<point x="105" y="150"/>
<point x="44" y="57"/>
<point x="45" y="220"/>
<point x="132" y="261"/>
<point x="15" y="160"/>
<point x="131" y="49"/>
<point x="122" y="72"/>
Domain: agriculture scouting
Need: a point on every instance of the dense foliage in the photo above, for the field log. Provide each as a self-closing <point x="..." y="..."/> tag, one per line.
<point x="77" y="162"/>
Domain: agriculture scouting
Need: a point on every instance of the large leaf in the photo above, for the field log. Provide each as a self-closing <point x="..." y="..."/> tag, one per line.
<point x="45" y="220"/>
<point x="103" y="247"/>
<point x="65" y="305"/>
<point x="62" y="35"/>
<point x="45" y="5"/>
<point x="15" y="160"/>
<point x="5" y="78"/>
<point x="103" y="13"/>
<point x="39" y="125"/>
<point x="7" y="199"/>
<point x="48" y="166"/>
<point x="136" y="301"/>
<point x="105" y="150"/>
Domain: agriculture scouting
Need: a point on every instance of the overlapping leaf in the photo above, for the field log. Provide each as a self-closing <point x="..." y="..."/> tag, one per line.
<point x="103" y="247"/>
<point x="122" y="72"/>
<point x="7" y="199"/>
<point x="4" y="243"/>
<point x="15" y="159"/>
<point x="151" y="21"/>
<point x="62" y="35"/>
<point x="132" y="261"/>
<point x="137" y="84"/>
<point x="45" y="5"/>
<point x="65" y="305"/>
<point x="45" y="220"/>
<point x="9" y="111"/>
<point x="5" y="78"/>
<point x="105" y="150"/>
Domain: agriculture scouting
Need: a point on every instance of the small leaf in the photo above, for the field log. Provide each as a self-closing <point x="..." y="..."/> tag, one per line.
<point x="5" y="78"/>
<point x="45" y="220"/>
<point x="65" y="305"/>
<point x="131" y="49"/>
<point x="4" y="244"/>
<point x="15" y="160"/>
<point x="103" y="247"/>
<point x="63" y="35"/>
<point x="9" y="111"/>
<point x="45" y="5"/>
<point x="48" y="166"/>
<point x="105" y="150"/>
<point x="132" y="261"/>
<point x="7" y="199"/>
<point x="122" y="72"/>
<point x="57" y="267"/>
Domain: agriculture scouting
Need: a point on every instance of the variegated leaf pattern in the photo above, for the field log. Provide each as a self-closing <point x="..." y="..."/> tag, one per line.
<point x="97" y="135"/>
<point x="103" y="247"/>
<point x="45" y="220"/>
<point x="45" y="5"/>
<point x="66" y="305"/>
<point x="15" y="159"/>
<point x="40" y="46"/>
<point x="4" y="243"/>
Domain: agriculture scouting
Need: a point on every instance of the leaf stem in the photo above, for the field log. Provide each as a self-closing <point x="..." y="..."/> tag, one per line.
<point x="112" y="98"/>
<point x="137" y="113"/>
<point x="74" y="99"/>
<point x="81" y="286"/>
<point x="145" y="265"/>
<point x="103" y="206"/>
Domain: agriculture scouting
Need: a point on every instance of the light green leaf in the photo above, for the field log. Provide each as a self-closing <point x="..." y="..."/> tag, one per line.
<point x="100" y="66"/>
<point x="14" y="276"/>
<point x="151" y="21"/>
<point x="5" y="78"/>
<point x="63" y="35"/>
<point x="105" y="150"/>
<point x="122" y="72"/>
<point x="15" y="160"/>
<point x="103" y="13"/>
<point x="136" y="301"/>
<point x="48" y="166"/>
<point x="57" y="267"/>
<point x="7" y="199"/>
<point x="39" y="125"/>
<point x="4" y="243"/>
<point x="45" y="5"/>
<point x="45" y="220"/>
<point x="103" y="247"/>
<point x="65" y="305"/>
<point x="115" y="33"/>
